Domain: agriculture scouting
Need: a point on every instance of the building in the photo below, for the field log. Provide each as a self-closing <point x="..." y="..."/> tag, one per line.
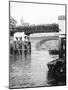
<point x="13" y="23"/>
<point x="61" y="21"/>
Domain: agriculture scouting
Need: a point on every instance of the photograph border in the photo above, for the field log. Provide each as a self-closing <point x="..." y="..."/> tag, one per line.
<point x="65" y="36"/>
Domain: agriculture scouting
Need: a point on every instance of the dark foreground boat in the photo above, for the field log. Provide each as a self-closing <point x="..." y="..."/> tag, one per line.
<point x="57" y="68"/>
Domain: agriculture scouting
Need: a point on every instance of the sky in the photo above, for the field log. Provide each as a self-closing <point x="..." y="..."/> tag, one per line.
<point x="36" y="13"/>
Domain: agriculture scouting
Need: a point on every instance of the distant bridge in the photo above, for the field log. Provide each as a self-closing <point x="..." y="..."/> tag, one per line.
<point x="40" y="32"/>
<point x="36" y="42"/>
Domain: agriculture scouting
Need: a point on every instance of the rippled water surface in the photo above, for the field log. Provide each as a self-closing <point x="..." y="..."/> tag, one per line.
<point x="30" y="70"/>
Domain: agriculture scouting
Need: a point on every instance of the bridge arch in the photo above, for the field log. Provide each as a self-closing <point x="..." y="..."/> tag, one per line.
<point x="40" y="38"/>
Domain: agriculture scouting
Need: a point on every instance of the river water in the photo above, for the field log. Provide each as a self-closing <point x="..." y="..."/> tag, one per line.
<point x="29" y="70"/>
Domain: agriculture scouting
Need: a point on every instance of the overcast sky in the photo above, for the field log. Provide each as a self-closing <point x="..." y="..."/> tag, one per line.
<point x="36" y="13"/>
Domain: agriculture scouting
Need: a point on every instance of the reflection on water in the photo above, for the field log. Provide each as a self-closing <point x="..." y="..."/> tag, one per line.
<point x="29" y="70"/>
